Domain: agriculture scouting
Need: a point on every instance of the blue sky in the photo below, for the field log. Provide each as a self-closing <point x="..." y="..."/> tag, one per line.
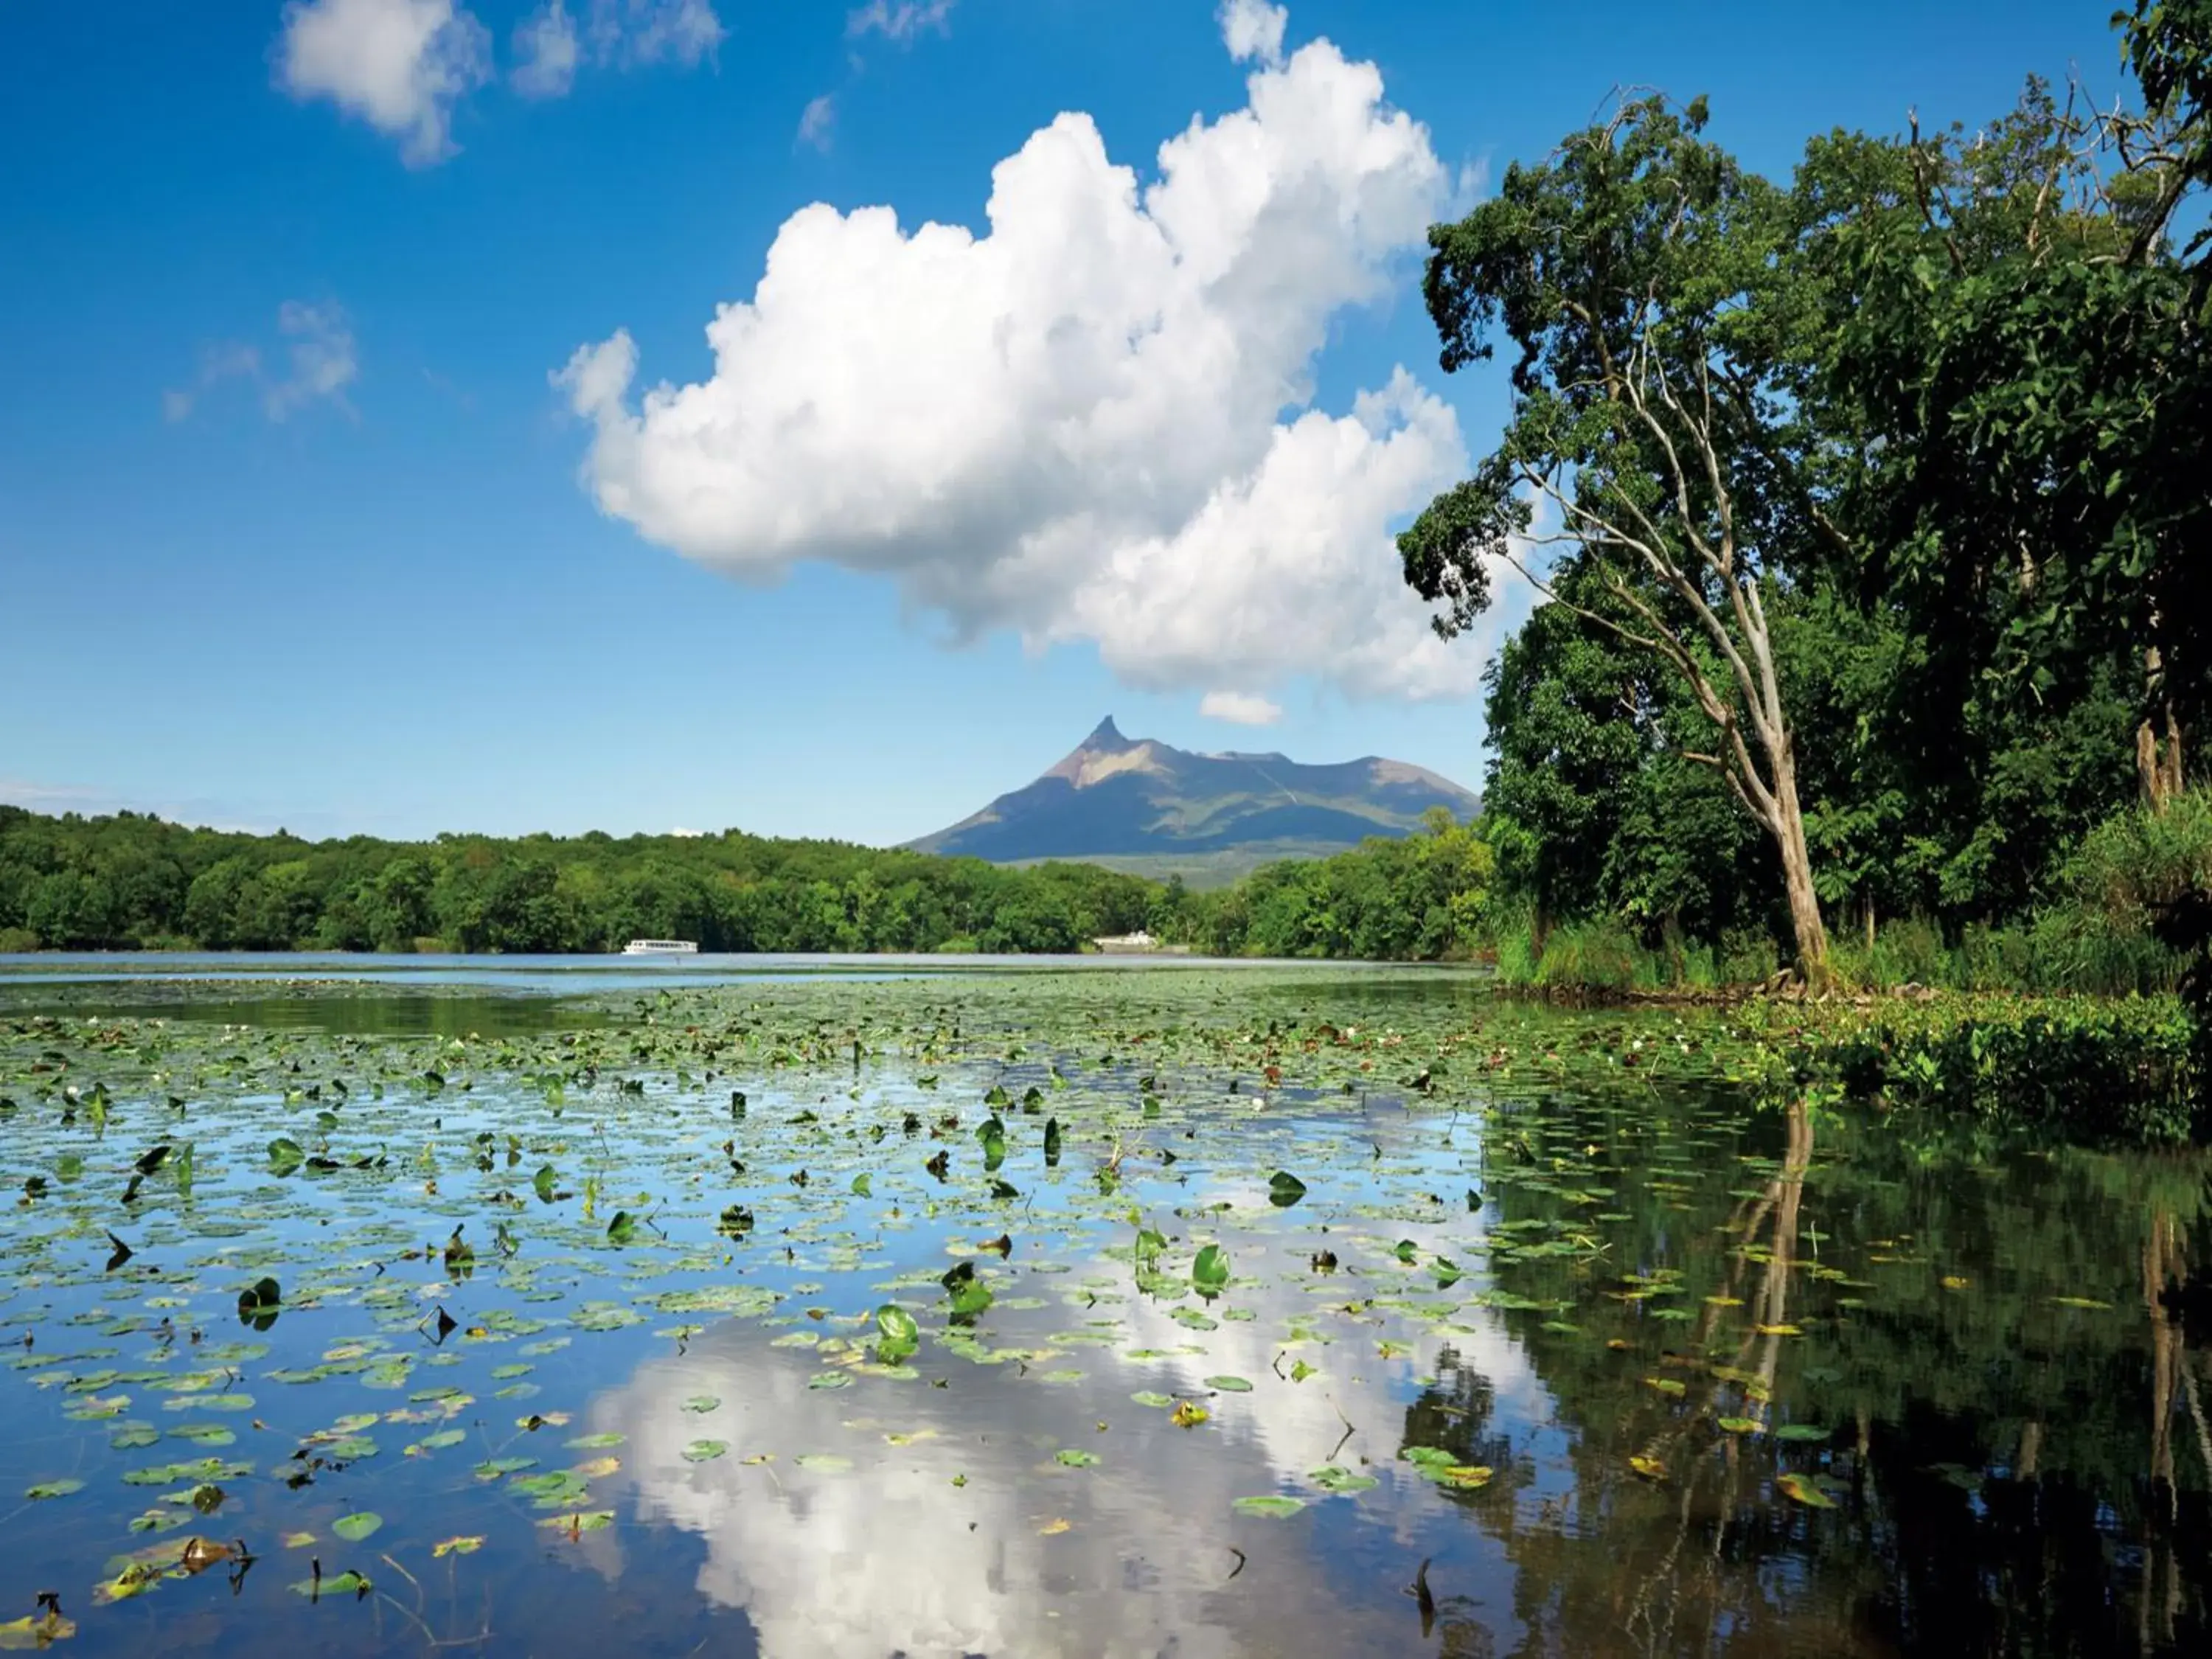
<point x="297" y="526"/>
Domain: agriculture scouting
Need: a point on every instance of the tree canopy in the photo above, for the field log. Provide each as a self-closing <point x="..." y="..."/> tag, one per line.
<point x="1875" y="494"/>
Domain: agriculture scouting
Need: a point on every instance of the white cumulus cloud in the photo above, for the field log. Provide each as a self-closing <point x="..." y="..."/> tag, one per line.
<point x="1253" y="28"/>
<point x="400" y="65"/>
<point x="1239" y="708"/>
<point x="1094" y="421"/>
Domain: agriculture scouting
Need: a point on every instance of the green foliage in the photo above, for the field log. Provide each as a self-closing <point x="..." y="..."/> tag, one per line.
<point x="1590" y="805"/>
<point x="1423" y="897"/>
<point x="2002" y="323"/>
<point x="2138" y="866"/>
<point x="1594" y="956"/>
<point x="1949" y="399"/>
<point x="2122" y="1069"/>
<point x="134" y="881"/>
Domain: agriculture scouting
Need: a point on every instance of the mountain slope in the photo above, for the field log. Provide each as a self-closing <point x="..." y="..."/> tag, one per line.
<point x="1123" y="799"/>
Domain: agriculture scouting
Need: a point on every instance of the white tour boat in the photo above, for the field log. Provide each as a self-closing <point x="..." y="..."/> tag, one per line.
<point x="660" y="947"/>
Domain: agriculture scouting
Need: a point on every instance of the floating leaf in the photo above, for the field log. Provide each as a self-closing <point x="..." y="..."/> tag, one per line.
<point x="1229" y="1384"/>
<point x="1284" y="1189"/>
<point x="705" y="1451"/>
<point x="1331" y="1479"/>
<point x="30" y="1634"/>
<point x="458" y="1546"/>
<point x="579" y="1520"/>
<point x="334" y="1587"/>
<point x="1275" y="1507"/>
<point x="355" y="1528"/>
<point x="1801" y="1489"/>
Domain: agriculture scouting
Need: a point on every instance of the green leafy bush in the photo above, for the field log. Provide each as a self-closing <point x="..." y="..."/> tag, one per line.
<point x="2120" y="1068"/>
<point x="1588" y="956"/>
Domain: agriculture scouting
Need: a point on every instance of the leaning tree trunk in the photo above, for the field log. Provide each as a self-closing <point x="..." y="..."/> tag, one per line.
<point x="1786" y="823"/>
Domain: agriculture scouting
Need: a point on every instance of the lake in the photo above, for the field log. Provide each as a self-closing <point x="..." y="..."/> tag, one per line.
<point x="1096" y="1312"/>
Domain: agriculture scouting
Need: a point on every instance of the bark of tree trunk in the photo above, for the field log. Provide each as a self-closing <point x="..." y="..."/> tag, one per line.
<point x="2158" y="760"/>
<point x="1805" y="921"/>
<point x="2158" y="742"/>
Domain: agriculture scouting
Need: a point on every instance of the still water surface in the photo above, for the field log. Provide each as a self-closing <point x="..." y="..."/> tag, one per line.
<point x="1566" y="1346"/>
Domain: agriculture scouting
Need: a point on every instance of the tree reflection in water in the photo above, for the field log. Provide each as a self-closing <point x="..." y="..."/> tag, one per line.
<point x="2012" y="1463"/>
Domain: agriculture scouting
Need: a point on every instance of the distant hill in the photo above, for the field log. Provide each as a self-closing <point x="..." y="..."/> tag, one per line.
<point x="1143" y="806"/>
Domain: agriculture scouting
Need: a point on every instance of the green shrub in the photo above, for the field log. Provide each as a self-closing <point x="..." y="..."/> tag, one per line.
<point x="1588" y="956"/>
<point x="2091" y="950"/>
<point x="1746" y="957"/>
<point x="1514" y="944"/>
<point x="15" y="940"/>
<point x="1909" y="952"/>
<point x="2132" y="865"/>
<point x="2120" y="1068"/>
<point x="1697" y="968"/>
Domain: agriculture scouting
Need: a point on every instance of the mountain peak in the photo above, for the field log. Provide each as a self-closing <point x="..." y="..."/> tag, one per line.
<point x="1119" y="798"/>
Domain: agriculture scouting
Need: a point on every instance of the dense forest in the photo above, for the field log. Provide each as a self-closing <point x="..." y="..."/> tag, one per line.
<point x="1869" y="507"/>
<point x="132" y="881"/>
